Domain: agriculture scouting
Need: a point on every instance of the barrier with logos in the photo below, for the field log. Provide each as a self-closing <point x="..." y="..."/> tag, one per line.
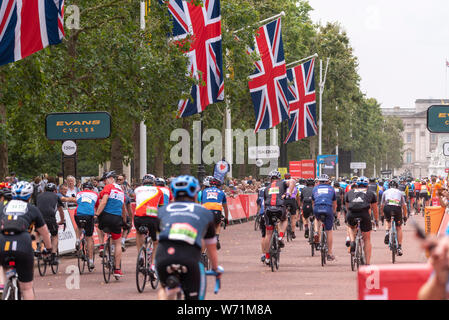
<point x="433" y="217"/>
<point x="392" y="282"/>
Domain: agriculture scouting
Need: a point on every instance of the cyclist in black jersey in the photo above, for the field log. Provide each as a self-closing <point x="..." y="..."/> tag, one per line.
<point x="17" y="218"/>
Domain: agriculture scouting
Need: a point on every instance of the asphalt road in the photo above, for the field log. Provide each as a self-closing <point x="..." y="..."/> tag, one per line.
<point x="300" y="276"/>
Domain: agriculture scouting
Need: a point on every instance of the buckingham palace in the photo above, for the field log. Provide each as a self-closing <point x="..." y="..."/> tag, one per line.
<point x="423" y="150"/>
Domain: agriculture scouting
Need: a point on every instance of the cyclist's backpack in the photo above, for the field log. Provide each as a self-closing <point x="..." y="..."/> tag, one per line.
<point x="11" y="222"/>
<point x="358" y="201"/>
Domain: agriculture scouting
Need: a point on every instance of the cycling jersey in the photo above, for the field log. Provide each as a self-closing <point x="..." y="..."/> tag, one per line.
<point x="393" y="197"/>
<point x="116" y="199"/>
<point x="148" y="198"/>
<point x="48" y="203"/>
<point x="323" y="194"/>
<point x="404" y="189"/>
<point x="213" y="198"/>
<point x="424" y="189"/>
<point x="87" y="201"/>
<point x="274" y="192"/>
<point x="186" y="222"/>
<point x="168" y="195"/>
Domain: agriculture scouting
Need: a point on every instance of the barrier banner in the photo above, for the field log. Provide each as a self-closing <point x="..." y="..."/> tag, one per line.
<point x="432" y="219"/>
<point x="244" y="200"/>
<point x="444" y="224"/>
<point x="67" y="237"/>
<point x="252" y="204"/>
<point x="392" y="282"/>
<point x="236" y="211"/>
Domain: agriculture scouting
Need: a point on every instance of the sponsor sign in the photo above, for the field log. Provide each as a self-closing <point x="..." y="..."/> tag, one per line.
<point x="358" y="165"/>
<point x="263" y="152"/>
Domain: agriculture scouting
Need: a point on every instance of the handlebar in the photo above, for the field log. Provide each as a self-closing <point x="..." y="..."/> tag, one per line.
<point x="219" y="271"/>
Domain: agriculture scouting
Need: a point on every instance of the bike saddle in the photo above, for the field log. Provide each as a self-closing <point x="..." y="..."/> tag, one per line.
<point x="143" y="229"/>
<point x="82" y="223"/>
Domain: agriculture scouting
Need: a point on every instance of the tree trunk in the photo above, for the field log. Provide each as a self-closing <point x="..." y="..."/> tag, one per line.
<point x="116" y="155"/>
<point x="185" y="167"/>
<point x="136" y="149"/>
<point x="3" y="143"/>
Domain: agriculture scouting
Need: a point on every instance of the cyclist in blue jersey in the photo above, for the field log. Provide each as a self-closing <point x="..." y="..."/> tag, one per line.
<point x="324" y="202"/>
<point x="185" y="224"/>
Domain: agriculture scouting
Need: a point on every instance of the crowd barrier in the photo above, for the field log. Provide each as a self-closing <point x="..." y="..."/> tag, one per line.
<point x="392" y="282"/>
<point x="242" y="207"/>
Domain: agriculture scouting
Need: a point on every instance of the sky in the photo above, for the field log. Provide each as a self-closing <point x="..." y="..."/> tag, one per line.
<point x="402" y="46"/>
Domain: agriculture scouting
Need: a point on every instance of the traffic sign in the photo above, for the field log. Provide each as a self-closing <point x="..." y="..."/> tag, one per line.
<point x="438" y="119"/>
<point x="358" y="165"/>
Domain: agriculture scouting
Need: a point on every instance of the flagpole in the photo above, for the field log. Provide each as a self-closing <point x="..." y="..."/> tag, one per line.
<point x="282" y="14"/>
<point x="445" y="88"/>
<point x="320" y="128"/>
<point x="143" y="127"/>
<point x="305" y="59"/>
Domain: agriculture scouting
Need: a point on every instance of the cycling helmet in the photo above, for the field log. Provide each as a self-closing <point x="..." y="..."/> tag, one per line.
<point x="274" y="174"/>
<point x="22" y="190"/>
<point x="362" y="181"/>
<point x="6" y="193"/>
<point x="267" y="184"/>
<point x="88" y="185"/>
<point x="109" y="174"/>
<point x="310" y="182"/>
<point x="51" y="187"/>
<point x="393" y="184"/>
<point x="215" y="182"/>
<point x="206" y="181"/>
<point x="323" y="178"/>
<point x="148" y="179"/>
<point x="185" y="186"/>
<point x="287" y="176"/>
<point x="337" y="185"/>
<point x="160" y="182"/>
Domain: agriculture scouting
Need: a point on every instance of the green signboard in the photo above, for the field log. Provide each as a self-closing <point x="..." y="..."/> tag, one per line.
<point x="438" y="119"/>
<point x="78" y="125"/>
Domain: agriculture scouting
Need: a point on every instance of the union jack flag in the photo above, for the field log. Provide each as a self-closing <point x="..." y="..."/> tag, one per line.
<point x="302" y="101"/>
<point x="203" y="23"/>
<point x="268" y="84"/>
<point x="27" y="26"/>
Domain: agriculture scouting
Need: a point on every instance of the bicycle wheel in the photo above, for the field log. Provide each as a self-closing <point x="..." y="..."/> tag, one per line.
<point x="154" y="280"/>
<point x="273" y="250"/>
<point x="323" y="247"/>
<point x="312" y="244"/>
<point x="55" y="267"/>
<point x="289" y="232"/>
<point x="106" y="260"/>
<point x="11" y="292"/>
<point x="300" y="223"/>
<point x="257" y="222"/>
<point x="352" y="261"/>
<point x="87" y="259"/>
<point x="81" y="255"/>
<point x="393" y="247"/>
<point x="358" y="254"/>
<point x="41" y="264"/>
<point x="141" y="271"/>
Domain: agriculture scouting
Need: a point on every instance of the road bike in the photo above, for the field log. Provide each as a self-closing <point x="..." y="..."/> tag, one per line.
<point x="358" y="256"/>
<point x="83" y="250"/>
<point x="11" y="290"/>
<point x="108" y="258"/>
<point x="43" y="260"/>
<point x="393" y="240"/>
<point x="300" y="222"/>
<point x="143" y="265"/>
<point x="311" y="234"/>
<point x="323" y="241"/>
<point x="257" y="222"/>
<point x="289" y="231"/>
<point x="274" y="249"/>
<point x="173" y="283"/>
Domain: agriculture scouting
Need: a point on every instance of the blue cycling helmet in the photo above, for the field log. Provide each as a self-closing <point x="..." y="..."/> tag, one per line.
<point x="185" y="186"/>
<point x="22" y="190"/>
<point x="363" y="181"/>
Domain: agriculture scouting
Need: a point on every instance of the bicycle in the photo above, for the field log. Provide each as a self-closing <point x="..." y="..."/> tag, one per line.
<point x="323" y="241"/>
<point x="300" y="222"/>
<point x="274" y="249"/>
<point x="257" y="222"/>
<point x="12" y="288"/>
<point x="311" y="234"/>
<point x="205" y="260"/>
<point x="43" y="261"/>
<point x="358" y="256"/>
<point x="83" y="251"/>
<point x="393" y="241"/>
<point x="174" y="288"/>
<point x="143" y="265"/>
<point x="108" y="259"/>
<point x="289" y="231"/>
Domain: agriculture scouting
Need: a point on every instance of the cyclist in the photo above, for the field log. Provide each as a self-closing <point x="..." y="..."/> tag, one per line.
<point x="274" y="206"/>
<point x="111" y="214"/>
<point x="168" y="195"/>
<point x="17" y="219"/>
<point x="48" y="204"/>
<point x="339" y="194"/>
<point x="403" y="187"/>
<point x="424" y="193"/>
<point x="394" y="206"/>
<point x="184" y="225"/>
<point x="214" y="199"/>
<point x="87" y="200"/>
<point x="359" y="202"/>
<point x="292" y="201"/>
<point x="121" y="181"/>
<point x="306" y="203"/>
<point x="324" y="202"/>
<point x="148" y="199"/>
<point x="411" y="194"/>
<point x="261" y="212"/>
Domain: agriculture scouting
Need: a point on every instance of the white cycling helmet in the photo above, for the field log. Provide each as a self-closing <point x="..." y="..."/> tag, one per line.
<point x="275" y="174"/>
<point x="22" y="190"/>
<point x="207" y="180"/>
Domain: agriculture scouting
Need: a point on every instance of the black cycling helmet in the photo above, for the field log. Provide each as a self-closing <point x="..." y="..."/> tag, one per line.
<point x="109" y="174"/>
<point x="88" y="185"/>
<point x="393" y="184"/>
<point x="6" y="193"/>
<point x="148" y="179"/>
<point x="310" y="182"/>
<point x="51" y="187"/>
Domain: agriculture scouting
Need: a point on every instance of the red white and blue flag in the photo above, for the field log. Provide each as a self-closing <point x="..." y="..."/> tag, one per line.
<point x="203" y="24"/>
<point x="27" y="26"/>
<point x="268" y="84"/>
<point x="302" y="99"/>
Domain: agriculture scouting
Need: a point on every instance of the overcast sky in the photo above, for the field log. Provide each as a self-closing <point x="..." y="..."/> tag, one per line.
<point x="402" y="45"/>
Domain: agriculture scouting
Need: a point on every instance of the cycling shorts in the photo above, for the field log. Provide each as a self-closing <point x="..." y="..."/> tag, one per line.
<point x="111" y="223"/>
<point x="218" y="217"/>
<point x="365" y="224"/>
<point x="307" y="210"/>
<point x="152" y="223"/>
<point x="23" y="255"/>
<point x="89" y="225"/>
<point x="279" y="212"/>
<point x="395" y="212"/>
<point x="424" y="195"/>
<point x="329" y="216"/>
<point x="293" y="204"/>
<point x="193" y="281"/>
<point x="263" y="230"/>
<point x="52" y="226"/>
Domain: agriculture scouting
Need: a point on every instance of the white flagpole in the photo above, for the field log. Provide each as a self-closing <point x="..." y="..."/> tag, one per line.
<point x="320" y="128"/>
<point x="305" y="59"/>
<point x="282" y="14"/>
<point x="143" y="127"/>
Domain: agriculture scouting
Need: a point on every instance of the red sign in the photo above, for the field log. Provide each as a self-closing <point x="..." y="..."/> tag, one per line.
<point x="295" y="169"/>
<point x="308" y="168"/>
<point x="446" y="170"/>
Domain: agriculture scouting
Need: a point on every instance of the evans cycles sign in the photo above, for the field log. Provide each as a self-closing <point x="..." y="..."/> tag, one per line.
<point x="78" y="125"/>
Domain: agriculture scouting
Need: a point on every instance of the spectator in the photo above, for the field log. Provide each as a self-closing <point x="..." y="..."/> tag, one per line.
<point x="14" y="180"/>
<point x="65" y="197"/>
<point x="72" y="190"/>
